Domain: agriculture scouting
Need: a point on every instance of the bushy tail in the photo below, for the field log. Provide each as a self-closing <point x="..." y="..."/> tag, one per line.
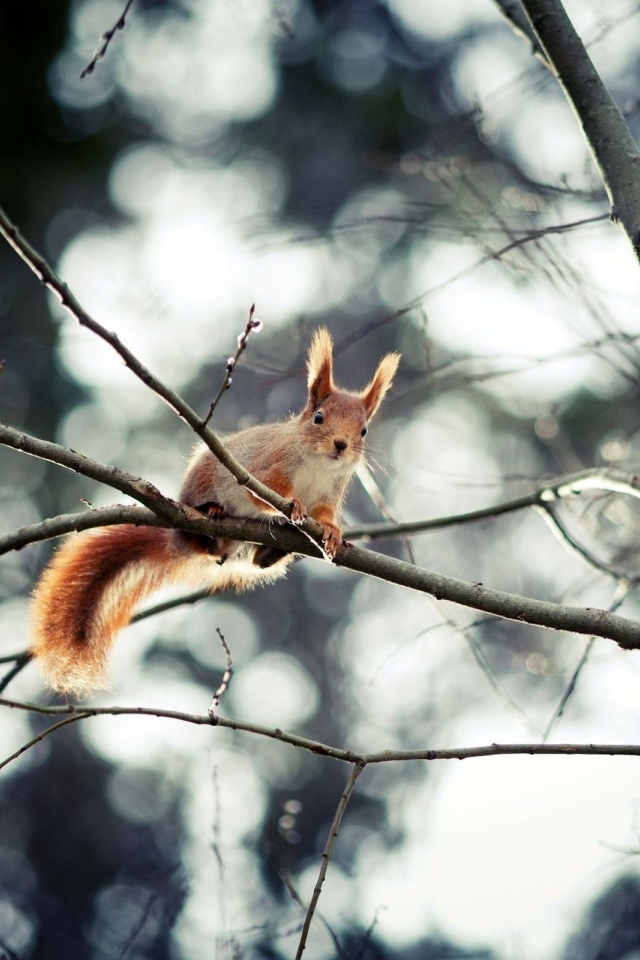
<point x="88" y="593"/>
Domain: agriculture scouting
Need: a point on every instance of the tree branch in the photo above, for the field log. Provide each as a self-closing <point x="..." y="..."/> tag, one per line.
<point x="515" y="16"/>
<point x="605" y="129"/>
<point x="326" y="855"/>
<point x="74" y="523"/>
<point x="107" y="37"/>
<point x="606" y="479"/>
<point x="50" y="279"/>
<point x="80" y="715"/>
<point x="306" y="540"/>
<point x="135" y="487"/>
<point x="609" y="479"/>
<point x="583" y="620"/>
<point x="326" y="750"/>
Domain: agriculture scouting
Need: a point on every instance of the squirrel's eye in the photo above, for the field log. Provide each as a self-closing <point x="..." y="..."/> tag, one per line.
<point x="318" y="417"/>
<point x="363" y="432"/>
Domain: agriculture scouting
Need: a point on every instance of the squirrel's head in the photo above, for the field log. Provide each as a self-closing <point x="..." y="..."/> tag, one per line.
<point x="336" y="420"/>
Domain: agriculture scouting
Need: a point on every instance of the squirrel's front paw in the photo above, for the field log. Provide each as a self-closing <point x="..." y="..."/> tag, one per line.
<point x="331" y="538"/>
<point x="298" y="512"/>
<point x="212" y="510"/>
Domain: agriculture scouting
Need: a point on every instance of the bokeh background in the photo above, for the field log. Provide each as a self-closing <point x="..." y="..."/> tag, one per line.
<point x="389" y="169"/>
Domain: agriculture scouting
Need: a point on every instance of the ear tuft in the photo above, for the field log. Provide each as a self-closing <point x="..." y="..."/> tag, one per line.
<point x="320" y="367"/>
<point x="373" y="394"/>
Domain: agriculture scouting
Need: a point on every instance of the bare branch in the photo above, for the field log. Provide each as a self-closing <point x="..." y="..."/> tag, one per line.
<point x="287" y="880"/>
<point x="107" y="37"/>
<point x="621" y="591"/>
<point x="326" y="855"/>
<point x="80" y="715"/>
<point x="323" y="749"/>
<point x="289" y="538"/>
<point x="189" y="598"/>
<point x="75" y="522"/>
<point x="613" y="148"/>
<point x="513" y="13"/>
<point x="305" y="541"/>
<point x="572" y="485"/>
<point x="49" y="278"/>
<point x="226" y="677"/>
<point x="252" y="324"/>
<point x="608" y="480"/>
<point x="508" y="606"/>
<point x="135" y="487"/>
<point x="20" y="661"/>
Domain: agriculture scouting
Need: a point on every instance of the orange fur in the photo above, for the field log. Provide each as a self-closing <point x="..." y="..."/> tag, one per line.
<point x="73" y="617"/>
<point x="276" y="481"/>
<point x="90" y="589"/>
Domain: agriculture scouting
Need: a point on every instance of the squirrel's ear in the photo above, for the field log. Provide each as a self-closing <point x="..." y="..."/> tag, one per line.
<point x="373" y="394"/>
<point x="320" y="367"/>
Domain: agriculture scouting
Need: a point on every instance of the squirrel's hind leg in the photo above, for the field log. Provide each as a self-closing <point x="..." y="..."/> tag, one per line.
<point x="265" y="557"/>
<point x="214" y="546"/>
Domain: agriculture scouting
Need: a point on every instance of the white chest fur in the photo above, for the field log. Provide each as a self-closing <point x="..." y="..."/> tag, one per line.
<point x="318" y="480"/>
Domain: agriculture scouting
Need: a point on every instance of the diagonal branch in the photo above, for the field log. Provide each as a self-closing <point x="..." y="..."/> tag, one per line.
<point x="607" y="134"/>
<point x="73" y="523"/>
<point x="607" y="479"/>
<point x="107" y="37"/>
<point x="515" y="16"/>
<point x="583" y="620"/>
<point x="326" y="750"/>
<point x="141" y="490"/>
<point x="618" y="598"/>
<point x="50" y="279"/>
<point x="304" y="541"/>
<point x="326" y="855"/>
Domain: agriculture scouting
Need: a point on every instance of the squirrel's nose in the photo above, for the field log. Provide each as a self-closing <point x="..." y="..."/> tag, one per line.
<point x="340" y="445"/>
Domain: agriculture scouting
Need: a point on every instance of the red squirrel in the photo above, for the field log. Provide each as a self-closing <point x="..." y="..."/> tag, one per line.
<point x="94" y="581"/>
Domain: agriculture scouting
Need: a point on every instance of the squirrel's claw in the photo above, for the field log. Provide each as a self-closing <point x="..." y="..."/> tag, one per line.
<point x="298" y="512"/>
<point x="331" y="539"/>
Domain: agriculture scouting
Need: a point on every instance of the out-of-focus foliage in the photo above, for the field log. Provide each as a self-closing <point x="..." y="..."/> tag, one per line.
<point x="389" y="169"/>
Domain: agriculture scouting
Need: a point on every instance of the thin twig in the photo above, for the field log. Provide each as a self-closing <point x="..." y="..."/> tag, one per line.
<point x="21" y="660"/>
<point x="130" y="942"/>
<point x="607" y="479"/>
<point x="612" y="147"/>
<point x="216" y="848"/>
<point x="80" y="715"/>
<point x="285" y="876"/>
<point x="475" y="595"/>
<point x="326" y="855"/>
<point x="436" y="289"/>
<point x="50" y="279"/>
<point x="366" y="940"/>
<point x="107" y="37"/>
<point x="513" y="13"/>
<point x="252" y="325"/>
<point x="619" y="596"/>
<point x="12" y="657"/>
<point x="226" y="678"/>
<point x="575" y="546"/>
<point x="74" y="713"/>
<point x="185" y="600"/>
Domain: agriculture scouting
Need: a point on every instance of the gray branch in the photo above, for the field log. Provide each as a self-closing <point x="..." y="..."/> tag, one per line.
<point x="326" y="750"/>
<point x="605" y="129"/>
<point x="583" y="620"/>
